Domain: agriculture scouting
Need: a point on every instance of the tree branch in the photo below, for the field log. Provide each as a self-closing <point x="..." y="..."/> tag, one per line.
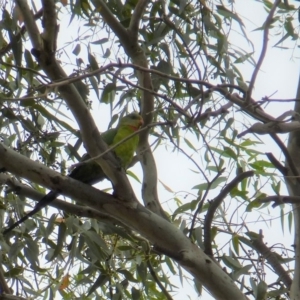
<point x="158" y="282"/>
<point x="111" y="21"/>
<point x="263" y="52"/>
<point x="282" y="169"/>
<point x="272" y="259"/>
<point x="158" y="231"/>
<point x="135" y="19"/>
<point x="30" y="24"/>
<point x="49" y="34"/>
<point x="78" y="210"/>
<point x="214" y="204"/>
<point x="279" y="200"/>
<point x="272" y="128"/>
<point x="89" y="132"/>
<point x="138" y="57"/>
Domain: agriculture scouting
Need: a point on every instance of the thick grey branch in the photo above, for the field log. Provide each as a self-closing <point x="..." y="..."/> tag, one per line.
<point x="135" y="19"/>
<point x="89" y="132"/>
<point x="280" y="199"/>
<point x="78" y="210"/>
<point x="31" y="26"/>
<point x="50" y="26"/>
<point x="294" y="190"/>
<point x="111" y="21"/>
<point x="272" y="127"/>
<point x="157" y="230"/>
<point x="138" y="57"/>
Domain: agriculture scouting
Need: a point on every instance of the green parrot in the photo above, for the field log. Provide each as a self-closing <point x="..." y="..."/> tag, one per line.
<point x="91" y="173"/>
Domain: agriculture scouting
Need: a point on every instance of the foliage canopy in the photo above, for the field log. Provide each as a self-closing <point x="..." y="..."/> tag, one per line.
<point x="68" y="66"/>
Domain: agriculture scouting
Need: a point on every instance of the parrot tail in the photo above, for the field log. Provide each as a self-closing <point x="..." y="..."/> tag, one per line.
<point x="51" y="196"/>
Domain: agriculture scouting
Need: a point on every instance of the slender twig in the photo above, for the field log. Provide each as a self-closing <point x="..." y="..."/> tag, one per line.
<point x="164" y="97"/>
<point x="287" y="155"/>
<point x="234" y="98"/>
<point x="44" y="95"/>
<point x="214" y="204"/>
<point x="263" y="52"/>
<point x="119" y="143"/>
<point x="23" y="68"/>
<point x="222" y="110"/>
<point x="278" y="100"/>
<point x="189" y="157"/>
<point x="272" y="259"/>
<point x="158" y="282"/>
<point x="253" y="262"/>
<point x="200" y="205"/>
<point x="177" y="31"/>
<point x="121" y="65"/>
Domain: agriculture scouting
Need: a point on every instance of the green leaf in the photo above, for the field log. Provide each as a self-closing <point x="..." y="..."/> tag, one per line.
<point x="93" y="64"/>
<point x="236" y="243"/>
<point x="77" y="49"/>
<point x="262" y="289"/>
<point x="94" y="85"/>
<point x="183" y="208"/>
<point x="60" y="240"/>
<point x="14" y="272"/>
<point x="190" y="144"/>
<point x="290" y="220"/>
<point x="28" y="59"/>
<point x="288" y="25"/>
<point x="215" y="184"/>
<point x="100" y="42"/>
<point x="198" y="286"/>
<point x="243" y="271"/>
<point x="231" y="262"/>
<point x="131" y="174"/>
<point x="107" y="53"/>
<point x="31" y="251"/>
<point x="128" y="275"/>
<point x="253" y="204"/>
<point x="282" y="215"/>
<point x="142" y="271"/>
<point x="243" y="58"/>
<point x="135" y="294"/>
<point x="229" y="153"/>
<point x="108" y="94"/>
<point x="228" y="14"/>
<point x="199" y="237"/>
<point x="100" y="281"/>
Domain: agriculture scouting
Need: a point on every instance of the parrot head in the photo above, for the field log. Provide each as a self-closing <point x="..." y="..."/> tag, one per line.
<point x="133" y="120"/>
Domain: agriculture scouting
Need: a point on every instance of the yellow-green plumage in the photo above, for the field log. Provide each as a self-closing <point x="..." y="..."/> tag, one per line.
<point x="127" y="126"/>
<point x="91" y="173"/>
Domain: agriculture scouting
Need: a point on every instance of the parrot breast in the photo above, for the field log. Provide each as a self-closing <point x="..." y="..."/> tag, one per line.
<point x="125" y="150"/>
